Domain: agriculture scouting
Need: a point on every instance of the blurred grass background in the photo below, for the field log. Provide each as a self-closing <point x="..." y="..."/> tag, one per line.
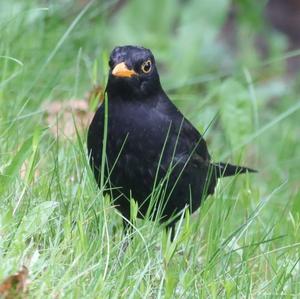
<point x="235" y="59"/>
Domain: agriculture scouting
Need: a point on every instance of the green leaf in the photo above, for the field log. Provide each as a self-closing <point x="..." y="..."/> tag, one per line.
<point x="171" y="282"/>
<point x="11" y="171"/>
<point x="33" y="159"/>
<point x="236" y="111"/>
<point x="35" y="220"/>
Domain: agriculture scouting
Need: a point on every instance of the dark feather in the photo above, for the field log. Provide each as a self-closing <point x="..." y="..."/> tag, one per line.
<point x="226" y="169"/>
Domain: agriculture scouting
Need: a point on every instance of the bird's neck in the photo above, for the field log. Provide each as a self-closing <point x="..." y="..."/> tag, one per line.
<point x="127" y="94"/>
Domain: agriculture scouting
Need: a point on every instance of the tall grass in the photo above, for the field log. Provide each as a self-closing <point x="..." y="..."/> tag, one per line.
<point x="243" y="242"/>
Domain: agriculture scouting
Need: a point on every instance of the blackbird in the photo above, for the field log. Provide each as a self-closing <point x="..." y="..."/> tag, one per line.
<point x="154" y="155"/>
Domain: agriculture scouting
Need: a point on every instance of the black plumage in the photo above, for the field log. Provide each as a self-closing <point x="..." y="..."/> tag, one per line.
<point x="153" y="153"/>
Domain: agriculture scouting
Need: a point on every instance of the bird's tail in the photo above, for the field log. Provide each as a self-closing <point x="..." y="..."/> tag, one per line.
<point x="221" y="169"/>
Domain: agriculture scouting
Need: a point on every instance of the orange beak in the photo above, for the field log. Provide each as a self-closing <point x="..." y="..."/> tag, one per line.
<point x="121" y="70"/>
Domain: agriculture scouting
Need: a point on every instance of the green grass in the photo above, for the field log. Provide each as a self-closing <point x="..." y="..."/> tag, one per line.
<point x="243" y="242"/>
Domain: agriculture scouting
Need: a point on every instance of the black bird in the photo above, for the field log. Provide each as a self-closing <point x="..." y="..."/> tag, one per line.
<point x="153" y="153"/>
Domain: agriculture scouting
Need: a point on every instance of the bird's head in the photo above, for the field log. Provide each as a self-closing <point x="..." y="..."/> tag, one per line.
<point x="132" y="72"/>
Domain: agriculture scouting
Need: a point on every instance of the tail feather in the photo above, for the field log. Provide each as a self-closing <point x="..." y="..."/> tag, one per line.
<point x="225" y="169"/>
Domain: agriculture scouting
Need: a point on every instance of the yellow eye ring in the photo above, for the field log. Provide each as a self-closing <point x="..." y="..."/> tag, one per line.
<point x="146" y="66"/>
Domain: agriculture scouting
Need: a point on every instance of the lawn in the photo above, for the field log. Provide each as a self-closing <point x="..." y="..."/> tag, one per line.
<point x="244" y="242"/>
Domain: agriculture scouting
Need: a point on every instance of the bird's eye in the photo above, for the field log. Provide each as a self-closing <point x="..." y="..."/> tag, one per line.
<point x="146" y="66"/>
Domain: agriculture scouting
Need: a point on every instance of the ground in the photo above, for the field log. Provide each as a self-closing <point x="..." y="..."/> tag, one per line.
<point x="244" y="241"/>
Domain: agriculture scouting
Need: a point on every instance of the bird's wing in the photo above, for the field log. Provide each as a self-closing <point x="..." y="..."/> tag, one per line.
<point x="185" y="146"/>
<point x="184" y="134"/>
<point x="196" y="140"/>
